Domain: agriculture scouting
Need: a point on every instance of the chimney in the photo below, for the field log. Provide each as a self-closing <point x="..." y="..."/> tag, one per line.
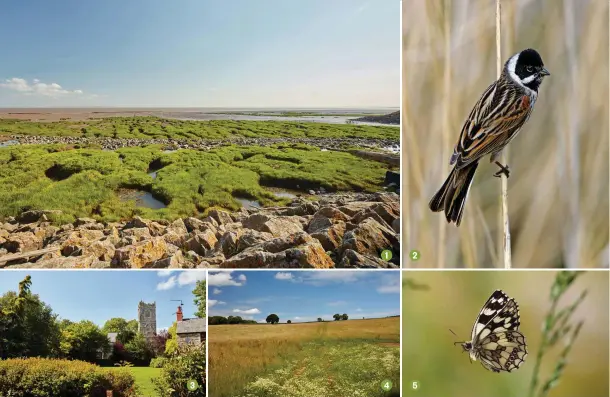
<point x="179" y="314"/>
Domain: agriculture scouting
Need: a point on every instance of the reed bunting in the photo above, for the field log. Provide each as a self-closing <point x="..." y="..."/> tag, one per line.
<point x="497" y="117"/>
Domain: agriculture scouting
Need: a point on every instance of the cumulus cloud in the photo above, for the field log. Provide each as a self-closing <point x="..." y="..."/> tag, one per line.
<point x="321" y="278"/>
<point x="183" y="278"/>
<point x="389" y="285"/>
<point x="248" y="311"/>
<point x="37" y="88"/>
<point x="283" y="276"/>
<point x="224" y="279"/>
<point x="216" y="291"/>
<point x="213" y="302"/>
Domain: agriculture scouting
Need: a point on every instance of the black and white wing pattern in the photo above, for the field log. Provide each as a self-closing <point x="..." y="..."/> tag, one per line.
<point x="495" y="339"/>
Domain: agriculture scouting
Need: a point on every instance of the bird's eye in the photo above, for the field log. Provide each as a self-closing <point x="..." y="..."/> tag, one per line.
<point x="529" y="69"/>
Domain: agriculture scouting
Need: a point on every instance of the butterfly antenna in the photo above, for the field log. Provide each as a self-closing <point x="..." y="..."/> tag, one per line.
<point x="454" y="343"/>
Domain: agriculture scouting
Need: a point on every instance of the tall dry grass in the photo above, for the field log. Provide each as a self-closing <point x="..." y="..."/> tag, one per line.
<point x="558" y="188"/>
<point x="239" y="353"/>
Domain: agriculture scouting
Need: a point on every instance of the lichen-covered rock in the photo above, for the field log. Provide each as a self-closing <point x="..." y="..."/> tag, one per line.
<point x="140" y="255"/>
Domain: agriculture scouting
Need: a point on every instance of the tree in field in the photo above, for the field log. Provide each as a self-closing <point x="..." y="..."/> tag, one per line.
<point x="320" y="319"/>
<point x="214" y="320"/>
<point x="273" y="319"/>
<point x="235" y="320"/>
<point x="337" y="317"/>
<point x="344" y="316"/>
<point x="200" y="298"/>
<point x="288" y="322"/>
<point x="28" y="326"/>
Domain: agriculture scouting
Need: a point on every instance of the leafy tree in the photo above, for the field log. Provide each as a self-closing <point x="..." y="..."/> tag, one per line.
<point x="126" y="330"/>
<point x="235" y="320"/>
<point x="320" y="319"/>
<point x="200" y="298"/>
<point x="214" y="320"/>
<point x="28" y="326"/>
<point x="83" y="341"/>
<point x="273" y="319"/>
<point x="337" y="317"/>
<point x="138" y="350"/>
<point x="171" y="345"/>
<point x="158" y="342"/>
<point x="288" y="322"/>
<point x="344" y="316"/>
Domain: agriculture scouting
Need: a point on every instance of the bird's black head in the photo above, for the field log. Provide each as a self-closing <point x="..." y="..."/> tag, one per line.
<point x="527" y="69"/>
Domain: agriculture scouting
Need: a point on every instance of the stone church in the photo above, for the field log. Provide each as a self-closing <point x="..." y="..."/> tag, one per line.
<point x="147" y="319"/>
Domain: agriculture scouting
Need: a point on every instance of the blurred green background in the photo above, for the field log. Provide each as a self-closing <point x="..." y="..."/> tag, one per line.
<point x="558" y="187"/>
<point x="434" y="302"/>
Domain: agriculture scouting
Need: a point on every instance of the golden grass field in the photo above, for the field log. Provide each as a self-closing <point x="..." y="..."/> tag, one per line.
<point x="451" y="300"/>
<point x="558" y="186"/>
<point x="344" y="358"/>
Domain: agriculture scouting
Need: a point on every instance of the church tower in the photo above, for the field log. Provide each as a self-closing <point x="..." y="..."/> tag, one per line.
<point x="147" y="319"/>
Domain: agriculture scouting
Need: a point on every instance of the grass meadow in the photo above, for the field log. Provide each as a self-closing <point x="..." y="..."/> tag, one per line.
<point x="327" y="359"/>
<point x="558" y="187"/>
<point x="86" y="181"/>
<point x="564" y="359"/>
<point x="143" y="377"/>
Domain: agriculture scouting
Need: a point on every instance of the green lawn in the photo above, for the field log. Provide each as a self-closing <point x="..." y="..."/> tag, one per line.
<point x="143" y="377"/>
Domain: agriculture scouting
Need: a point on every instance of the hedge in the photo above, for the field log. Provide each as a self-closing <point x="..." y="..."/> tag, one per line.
<point x="43" y="377"/>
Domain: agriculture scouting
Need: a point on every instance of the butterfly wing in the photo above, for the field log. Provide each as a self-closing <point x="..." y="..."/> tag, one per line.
<point x="499" y="313"/>
<point x="502" y="351"/>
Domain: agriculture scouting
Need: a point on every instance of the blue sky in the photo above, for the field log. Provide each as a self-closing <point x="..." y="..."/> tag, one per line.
<point x="193" y="53"/>
<point x="303" y="295"/>
<point x="101" y="295"/>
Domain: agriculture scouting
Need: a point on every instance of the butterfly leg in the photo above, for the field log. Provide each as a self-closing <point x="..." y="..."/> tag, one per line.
<point x="504" y="170"/>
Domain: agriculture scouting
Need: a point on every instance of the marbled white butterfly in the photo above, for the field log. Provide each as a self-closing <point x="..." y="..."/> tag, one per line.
<point x="496" y="340"/>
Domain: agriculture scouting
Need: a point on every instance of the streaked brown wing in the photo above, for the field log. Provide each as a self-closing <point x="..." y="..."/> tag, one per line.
<point x="493" y="122"/>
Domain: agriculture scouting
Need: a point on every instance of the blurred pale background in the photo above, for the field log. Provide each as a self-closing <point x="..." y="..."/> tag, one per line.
<point x="558" y="188"/>
<point x="453" y="299"/>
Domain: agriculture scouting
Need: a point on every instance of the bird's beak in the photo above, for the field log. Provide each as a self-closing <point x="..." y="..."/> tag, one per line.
<point x="544" y="72"/>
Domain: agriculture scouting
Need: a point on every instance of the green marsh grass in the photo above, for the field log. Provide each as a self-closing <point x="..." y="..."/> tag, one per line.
<point x="85" y="181"/>
<point x="148" y="127"/>
<point x="558" y="187"/>
<point x="448" y="300"/>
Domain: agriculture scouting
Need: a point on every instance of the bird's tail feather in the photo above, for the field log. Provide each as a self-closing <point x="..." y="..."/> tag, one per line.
<point x="451" y="197"/>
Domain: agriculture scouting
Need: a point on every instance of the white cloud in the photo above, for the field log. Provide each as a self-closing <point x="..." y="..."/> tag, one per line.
<point x="183" y="278"/>
<point x="37" y="88"/>
<point x="322" y="278"/>
<point x="283" y="276"/>
<point x="167" y="284"/>
<point x="216" y="291"/>
<point x="359" y="310"/>
<point x="165" y="272"/>
<point x="336" y="303"/>
<point x="212" y="303"/>
<point x="389" y="285"/>
<point x="248" y="311"/>
<point x="224" y="279"/>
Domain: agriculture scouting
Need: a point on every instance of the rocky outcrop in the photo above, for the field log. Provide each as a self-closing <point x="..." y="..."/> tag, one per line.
<point x="336" y="231"/>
